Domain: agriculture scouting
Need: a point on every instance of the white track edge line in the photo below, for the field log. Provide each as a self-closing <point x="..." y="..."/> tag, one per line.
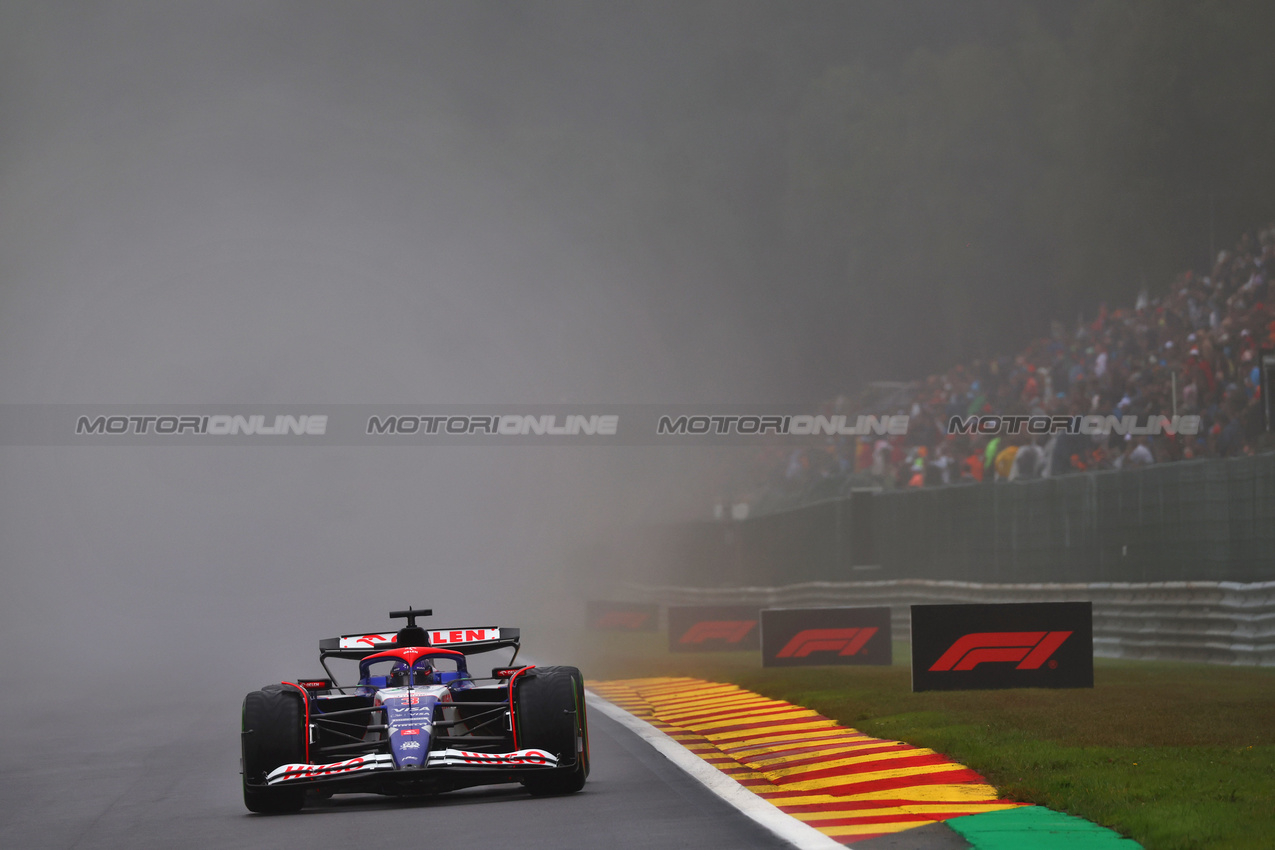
<point x="758" y="809"/>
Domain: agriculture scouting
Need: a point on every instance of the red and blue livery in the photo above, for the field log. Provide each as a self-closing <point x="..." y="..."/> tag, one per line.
<point x="416" y="722"/>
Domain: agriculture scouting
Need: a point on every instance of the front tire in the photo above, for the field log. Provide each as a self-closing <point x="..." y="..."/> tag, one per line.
<point x="274" y="733"/>
<point x="551" y="716"/>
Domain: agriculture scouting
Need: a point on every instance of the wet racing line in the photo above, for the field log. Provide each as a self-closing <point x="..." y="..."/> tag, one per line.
<point x="167" y="776"/>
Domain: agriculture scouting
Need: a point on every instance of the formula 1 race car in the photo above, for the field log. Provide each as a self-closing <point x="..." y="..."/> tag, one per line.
<point x="416" y="722"/>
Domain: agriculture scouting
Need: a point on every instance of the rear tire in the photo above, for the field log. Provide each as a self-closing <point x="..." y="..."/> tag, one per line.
<point x="551" y="716"/>
<point x="274" y="734"/>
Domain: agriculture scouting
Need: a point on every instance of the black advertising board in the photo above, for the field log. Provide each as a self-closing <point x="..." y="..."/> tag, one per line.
<point x="1020" y="645"/>
<point x="622" y="616"/>
<point x="714" y="628"/>
<point x="817" y="637"/>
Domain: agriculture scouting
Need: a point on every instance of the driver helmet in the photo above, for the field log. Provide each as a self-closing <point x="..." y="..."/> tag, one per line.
<point x="401" y="674"/>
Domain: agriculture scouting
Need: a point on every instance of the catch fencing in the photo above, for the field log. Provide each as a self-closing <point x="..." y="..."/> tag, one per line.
<point x="1213" y="622"/>
<point x="1207" y="520"/>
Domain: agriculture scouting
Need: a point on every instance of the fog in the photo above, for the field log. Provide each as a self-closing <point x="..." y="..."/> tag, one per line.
<point x="521" y="203"/>
<point x="262" y="203"/>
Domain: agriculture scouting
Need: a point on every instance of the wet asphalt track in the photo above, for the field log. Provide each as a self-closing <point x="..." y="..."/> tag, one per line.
<point x="163" y="780"/>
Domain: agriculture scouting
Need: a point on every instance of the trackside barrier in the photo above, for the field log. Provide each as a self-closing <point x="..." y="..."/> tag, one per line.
<point x="1199" y="520"/>
<point x="1213" y="622"/>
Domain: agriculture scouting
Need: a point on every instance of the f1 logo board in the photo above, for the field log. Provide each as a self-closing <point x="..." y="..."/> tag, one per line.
<point x="810" y="637"/>
<point x="622" y="616"/>
<point x="714" y="628"/>
<point x="1018" y="645"/>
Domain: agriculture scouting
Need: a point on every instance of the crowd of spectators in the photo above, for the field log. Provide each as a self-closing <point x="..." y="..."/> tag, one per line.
<point x="1193" y="350"/>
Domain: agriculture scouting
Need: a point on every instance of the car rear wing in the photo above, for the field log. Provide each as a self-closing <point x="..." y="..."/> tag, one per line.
<point x="467" y="640"/>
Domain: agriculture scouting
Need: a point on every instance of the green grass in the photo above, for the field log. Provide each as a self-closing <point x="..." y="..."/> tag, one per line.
<point x="1173" y="755"/>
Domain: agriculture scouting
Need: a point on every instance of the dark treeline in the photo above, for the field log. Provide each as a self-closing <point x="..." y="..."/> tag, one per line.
<point x="881" y="188"/>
